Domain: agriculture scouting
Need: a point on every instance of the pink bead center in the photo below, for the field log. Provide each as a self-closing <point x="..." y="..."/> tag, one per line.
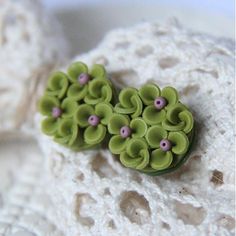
<point x="125" y="131"/>
<point x="160" y="103"/>
<point x="93" y="120"/>
<point x="83" y="78"/>
<point x="165" y="145"/>
<point x="56" y="112"/>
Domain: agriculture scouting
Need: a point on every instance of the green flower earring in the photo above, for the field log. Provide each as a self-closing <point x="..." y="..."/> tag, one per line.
<point x="152" y="130"/>
<point x="148" y="128"/>
<point x="77" y="106"/>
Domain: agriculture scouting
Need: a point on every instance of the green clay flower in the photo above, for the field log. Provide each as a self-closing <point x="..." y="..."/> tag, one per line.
<point x="55" y="111"/>
<point x="67" y="132"/>
<point x="129" y="103"/>
<point x="57" y="85"/>
<point x="124" y="130"/>
<point x="166" y="145"/>
<point x="92" y="86"/>
<point x="178" y="117"/>
<point x="93" y="120"/>
<point x="136" y="155"/>
<point x="157" y="102"/>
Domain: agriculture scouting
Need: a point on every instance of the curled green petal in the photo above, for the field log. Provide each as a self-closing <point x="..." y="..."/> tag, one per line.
<point x="148" y="93"/>
<point x="104" y="111"/>
<point x="82" y="114"/>
<point x="62" y="140"/>
<point x="139" y="127"/>
<point x="129" y="161"/>
<point x="152" y="116"/>
<point x="161" y="160"/>
<point x="187" y="118"/>
<point x="75" y="70"/>
<point x="171" y="95"/>
<point x="68" y="130"/>
<point x="137" y="103"/>
<point x="154" y="136"/>
<point x="99" y="90"/>
<point x="49" y="125"/>
<point x="94" y="134"/>
<point x="135" y="145"/>
<point x="57" y="84"/>
<point x="173" y="112"/>
<point x="127" y="110"/>
<point x="180" y="142"/>
<point x="170" y="127"/>
<point x="144" y="153"/>
<point x="125" y="97"/>
<point x="117" y="144"/>
<point x="138" y="162"/>
<point x="69" y="107"/>
<point x="116" y="122"/>
<point x="80" y="144"/>
<point x="77" y="92"/>
<point x="98" y="71"/>
<point x="130" y="103"/>
<point x="46" y="104"/>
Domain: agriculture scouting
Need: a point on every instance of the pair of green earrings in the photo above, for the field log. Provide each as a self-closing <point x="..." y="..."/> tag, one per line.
<point x="148" y="128"/>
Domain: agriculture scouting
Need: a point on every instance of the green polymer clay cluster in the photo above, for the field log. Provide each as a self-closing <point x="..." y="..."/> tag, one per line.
<point x="152" y="131"/>
<point x="77" y="106"/>
<point x="149" y="129"/>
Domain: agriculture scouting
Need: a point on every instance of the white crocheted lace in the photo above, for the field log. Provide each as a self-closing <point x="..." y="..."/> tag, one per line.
<point x="95" y="195"/>
<point x="28" y="52"/>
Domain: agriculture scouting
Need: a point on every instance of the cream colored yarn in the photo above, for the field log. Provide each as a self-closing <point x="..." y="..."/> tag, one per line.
<point x="95" y="195"/>
<point x="31" y="45"/>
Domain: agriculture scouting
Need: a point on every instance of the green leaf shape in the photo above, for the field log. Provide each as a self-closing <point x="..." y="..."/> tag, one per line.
<point x="98" y="71"/>
<point x="161" y="160"/>
<point x="77" y="91"/>
<point x="135" y="145"/>
<point x="179" y="141"/>
<point x="67" y="132"/>
<point x="187" y="118"/>
<point x="82" y="114"/>
<point x="154" y="136"/>
<point x="46" y="104"/>
<point x="49" y="125"/>
<point x="117" y="144"/>
<point x="104" y="111"/>
<point x="172" y="114"/>
<point x="136" y="155"/>
<point x="80" y="144"/>
<point x="75" y="70"/>
<point x="94" y="134"/>
<point x="99" y="90"/>
<point x="170" y="127"/>
<point x="129" y="102"/>
<point x="69" y="107"/>
<point x="139" y="127"/>
<point x="152" y="116"/>
<point x="148" y="93"/>
<point x="57" y="84"/>
<point x="171" y="95"/>
<point x="178" y="118"/>
<point x="117" y="121"/>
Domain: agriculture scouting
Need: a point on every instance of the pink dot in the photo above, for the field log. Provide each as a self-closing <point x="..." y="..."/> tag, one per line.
<point x="165" y="145"/>
<point x="83" y="78"/>
<point x="160" y="103"/>
<point x="125" y="131"/>
<point x="93" y="120"/>
<point x="56" y="112"/>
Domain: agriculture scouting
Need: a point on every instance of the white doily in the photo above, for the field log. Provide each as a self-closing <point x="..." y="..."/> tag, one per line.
<point x="95" y="195"/>
<point x="31" y="45"/>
